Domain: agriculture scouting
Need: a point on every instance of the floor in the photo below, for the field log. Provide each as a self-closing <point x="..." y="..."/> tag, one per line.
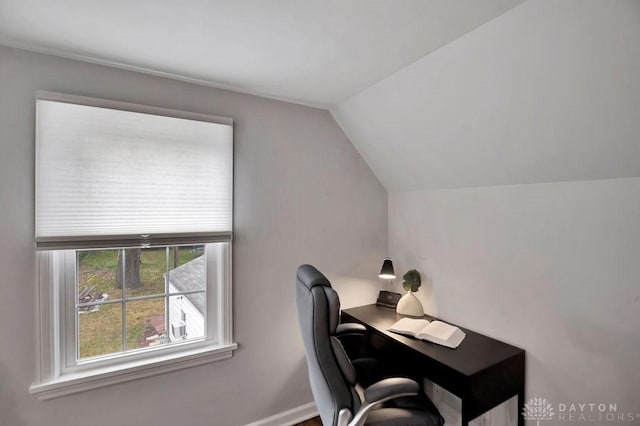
<point x="311" y="422"/>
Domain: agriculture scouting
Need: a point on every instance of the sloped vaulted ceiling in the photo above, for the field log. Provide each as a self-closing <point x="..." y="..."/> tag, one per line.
<point x="315" y="52"/>
<point x="547" y="92"/>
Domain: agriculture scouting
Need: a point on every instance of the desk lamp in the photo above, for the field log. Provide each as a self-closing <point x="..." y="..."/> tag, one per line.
<point x="388" y="299"/>
<point x="387" y="272"/>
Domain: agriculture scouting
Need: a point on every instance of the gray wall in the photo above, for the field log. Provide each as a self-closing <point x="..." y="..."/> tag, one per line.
<point x="302" y="194"/>
<point x="551" y="268"/>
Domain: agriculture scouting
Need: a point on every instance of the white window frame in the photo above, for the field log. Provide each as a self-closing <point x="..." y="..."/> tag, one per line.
<point x="58" y="373"/>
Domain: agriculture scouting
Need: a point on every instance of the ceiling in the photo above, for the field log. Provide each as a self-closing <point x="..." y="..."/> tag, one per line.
<point x="547" y="92"/>
<point x="314" y="52"/>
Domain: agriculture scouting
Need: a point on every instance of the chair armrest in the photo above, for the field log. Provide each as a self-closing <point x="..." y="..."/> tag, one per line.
<point x="382" y="391"/>
<point x="350" y="328"/>
<point x="353" y="338"/>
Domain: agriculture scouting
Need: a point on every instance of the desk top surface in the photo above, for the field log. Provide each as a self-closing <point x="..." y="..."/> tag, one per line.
<point x="476" y="353"/>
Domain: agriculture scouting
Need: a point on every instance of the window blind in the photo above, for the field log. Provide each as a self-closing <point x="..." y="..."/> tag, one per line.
<point x="115" y="174"/>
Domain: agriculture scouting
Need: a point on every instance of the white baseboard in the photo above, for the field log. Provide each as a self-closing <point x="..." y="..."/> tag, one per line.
<point x="289" y="417"/>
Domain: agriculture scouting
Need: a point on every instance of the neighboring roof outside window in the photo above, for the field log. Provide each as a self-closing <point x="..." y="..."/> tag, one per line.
<point x="190" y="277"/>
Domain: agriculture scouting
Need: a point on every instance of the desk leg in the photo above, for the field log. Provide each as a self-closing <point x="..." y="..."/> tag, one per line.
<point x="465" y="421"/>
<point x="520" y="407"/>
<point x="464" y="415"/>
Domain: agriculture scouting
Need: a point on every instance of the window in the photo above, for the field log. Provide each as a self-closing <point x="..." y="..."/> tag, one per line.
<point x="133" y="232"/>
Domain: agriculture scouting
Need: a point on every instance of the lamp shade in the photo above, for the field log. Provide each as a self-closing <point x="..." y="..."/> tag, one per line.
<point x="387" y="271"/>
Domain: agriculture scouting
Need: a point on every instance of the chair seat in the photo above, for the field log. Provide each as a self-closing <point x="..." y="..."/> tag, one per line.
<point x="418" y="403"/>
<point x="415" y="410"/>
<point x="402" y="417"/>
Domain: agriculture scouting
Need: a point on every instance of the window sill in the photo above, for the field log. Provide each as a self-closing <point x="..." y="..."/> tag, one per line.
<point x="126" y="371"/>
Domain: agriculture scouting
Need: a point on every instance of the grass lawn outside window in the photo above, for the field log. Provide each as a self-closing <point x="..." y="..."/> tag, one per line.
<point x="100" y="330"/>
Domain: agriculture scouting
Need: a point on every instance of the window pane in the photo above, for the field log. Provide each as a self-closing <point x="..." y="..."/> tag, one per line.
<point x="186" y="316"/>
<point x="99" y="326"/>
<point x="145" y="271"/>
<point x="185" y="254"/>
<point x="97" y="275"/>
<point x="100" y="330"/>
<point x="186" y="268"/>
<point x="146" y="323"/>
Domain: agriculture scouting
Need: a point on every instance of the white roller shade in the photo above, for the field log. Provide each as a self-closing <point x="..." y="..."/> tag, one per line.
<point x="116" y="173"/>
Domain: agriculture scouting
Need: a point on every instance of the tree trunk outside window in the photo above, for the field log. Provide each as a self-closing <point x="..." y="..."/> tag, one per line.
<point x="132" y="274"/>
<point x="176" y="257"/>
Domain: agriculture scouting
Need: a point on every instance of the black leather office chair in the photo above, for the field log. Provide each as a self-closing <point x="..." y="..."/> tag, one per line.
<point x="341" y="401"/>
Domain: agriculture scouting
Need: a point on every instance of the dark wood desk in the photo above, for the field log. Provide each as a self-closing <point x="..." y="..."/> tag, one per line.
<point x="482" y="372"/>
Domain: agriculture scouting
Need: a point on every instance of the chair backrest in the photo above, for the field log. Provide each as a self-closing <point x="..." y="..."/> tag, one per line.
<point x="331" y="374"/>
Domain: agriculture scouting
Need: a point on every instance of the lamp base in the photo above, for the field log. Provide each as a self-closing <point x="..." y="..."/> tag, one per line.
<point x="410" y="305"/>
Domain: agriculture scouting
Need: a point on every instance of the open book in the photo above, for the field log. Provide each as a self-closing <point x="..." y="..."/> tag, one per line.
<point x="434" y="331"/>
